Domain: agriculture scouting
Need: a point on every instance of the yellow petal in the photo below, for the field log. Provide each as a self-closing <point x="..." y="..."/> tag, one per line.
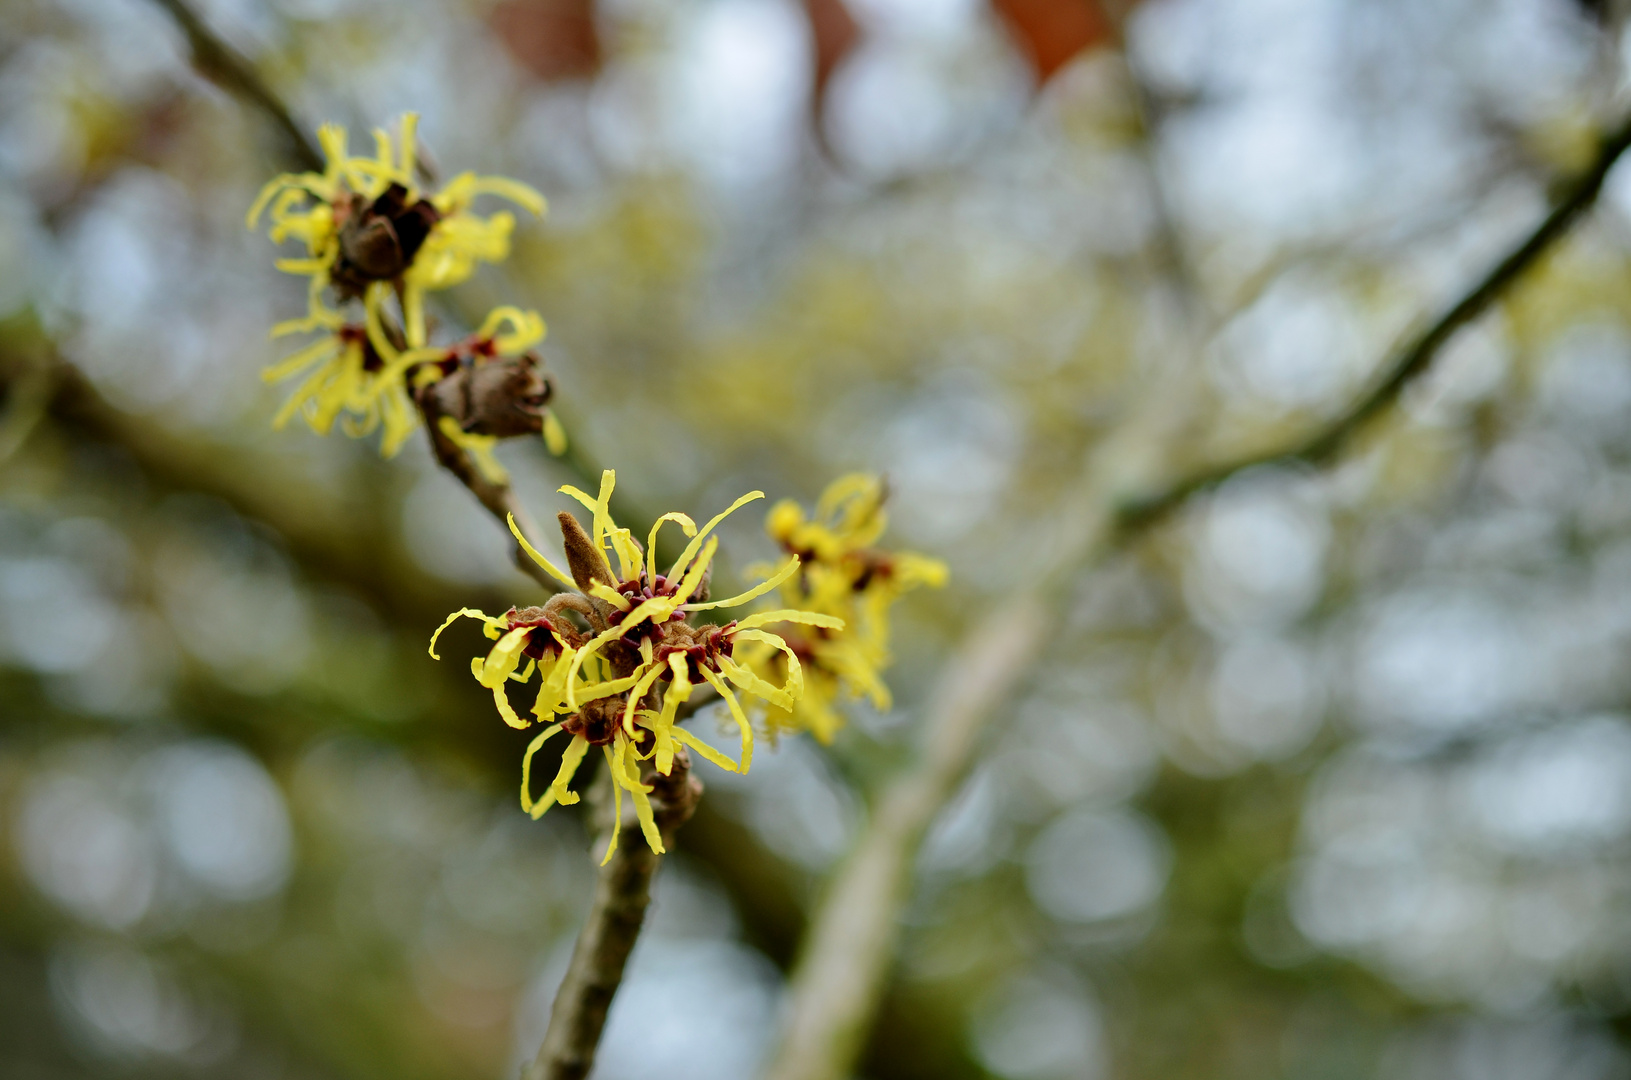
<point x="681" y="735"/>
<point x="554" y="434"/>
<point x="808" y="618"/>
<point x="736" y="712"/>
<point x="696" y="541"/>
<point x="605" y="592"/>
<point x="614" y="763"/>
<point x="642" y="807"/>
<point x="532" y="553"/>
<point x="699" y="567"/>
<point x="464" y="612"/>
<point x="569" y="768"/>
<point x="688" y="526"/>
<point x="752" y="684"/>
<point x="526" y="772"/>
<point x="408" y="146"/>
<point x="758" y="590"/>
<point x="635" y="694"/>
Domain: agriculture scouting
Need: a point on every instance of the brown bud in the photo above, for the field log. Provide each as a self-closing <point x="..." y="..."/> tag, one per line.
<point x="380" y="241"/>
<point x="598" y="720"/>
<point x="585" y="561"/>
<point x="505" y="396"/>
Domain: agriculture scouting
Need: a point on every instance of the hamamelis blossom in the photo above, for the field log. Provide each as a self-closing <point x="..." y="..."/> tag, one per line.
<point x="369" y="229"/>
<point x="492" y="384"/>
<point x="544" y="641"/>
<point x="344" y="377"/>
<point x="640" y="616"/>
<point x="845" y="576"/>
<point x="622" y="678"/>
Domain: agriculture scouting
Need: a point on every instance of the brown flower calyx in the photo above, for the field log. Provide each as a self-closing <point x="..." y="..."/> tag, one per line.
<point x="864" y="567"/>
<point x="503" y="396"/>
<point x="599" y="721"/>
<point x="702" y="646"/>
<point x="356" y="334"/>
<point x="378" y="242"/>
<point x="549" y="636"/>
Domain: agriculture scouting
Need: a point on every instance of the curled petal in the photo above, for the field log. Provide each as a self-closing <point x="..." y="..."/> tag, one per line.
<point x="462" y="613"/>
<point x="758" y="590"/>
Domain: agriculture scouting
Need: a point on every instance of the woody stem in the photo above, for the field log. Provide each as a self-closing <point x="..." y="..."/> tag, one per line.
<point x="622" y="894"/>
<point x="499" y="499"/>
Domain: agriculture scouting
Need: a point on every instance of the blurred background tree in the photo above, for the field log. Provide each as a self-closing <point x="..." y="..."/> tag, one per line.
<point x="1327" y="775"/>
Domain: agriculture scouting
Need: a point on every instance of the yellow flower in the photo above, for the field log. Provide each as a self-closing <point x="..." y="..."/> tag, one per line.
<point x="344" y="375"/>
<point x="622" y="678"/>
<point x="549" y="644"/>
<point x="368" y="227"/>
<point x="843" y="576"/>
<point x="358" y="372"/>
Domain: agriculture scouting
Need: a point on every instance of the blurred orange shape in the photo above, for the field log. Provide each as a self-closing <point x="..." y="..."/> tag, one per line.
<point x="553" y="39"/>
<point x="1052" y="32"/>
<point x="834" y="32"/>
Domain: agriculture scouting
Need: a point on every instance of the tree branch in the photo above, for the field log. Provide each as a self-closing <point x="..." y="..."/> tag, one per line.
<point x="227" y="68"/>
<point x="622" y="894"/>
<point x="841" y="974"/>
<point x="851" y="942"/>
<point x="1415" y="354"/>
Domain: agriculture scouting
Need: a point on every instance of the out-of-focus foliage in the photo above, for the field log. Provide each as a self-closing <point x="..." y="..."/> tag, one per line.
<point x="1327" y="777"/>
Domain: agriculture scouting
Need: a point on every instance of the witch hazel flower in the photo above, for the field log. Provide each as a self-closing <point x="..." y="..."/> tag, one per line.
<point x="371" y="235"/>
<point x="845" y="575"/>
<point x="619" y="652"/>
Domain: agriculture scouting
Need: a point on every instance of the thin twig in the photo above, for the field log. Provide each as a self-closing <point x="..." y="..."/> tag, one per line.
<point x="622" y="894"/>
<point x="1413" y="357"/>
<point x="227" y="68"/>
<point x="498" y="498"/>
<point x="851" y="942"/>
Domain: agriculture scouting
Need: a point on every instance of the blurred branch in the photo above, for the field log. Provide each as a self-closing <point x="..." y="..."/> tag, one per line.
<point x="1417" y="352"/>
<point x="848" y="950"/>
<point x="27" y="400"/>
<point x="1170" y="251"/>
<point x="622" y="894"/>
<point x="229" y="69"/>
<point x="326" y="534"/>
<point x="839" y="981"/>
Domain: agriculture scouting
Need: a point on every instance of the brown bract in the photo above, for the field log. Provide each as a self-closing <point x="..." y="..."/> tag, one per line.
<point x="551" y="632"/>
<point x="356" y="334"/>
<point x="702" y="646"/>
<point x="503" y="396"/>
<point x="598" y="722"/>
<point x="378" y="242"/>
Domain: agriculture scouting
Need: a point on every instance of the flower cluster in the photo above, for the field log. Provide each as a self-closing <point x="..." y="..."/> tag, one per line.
<point x="373" y="237"/>
<point x="617" y="654"/>
<point x="841" y="575"/>
<point x="620" y="655"/>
